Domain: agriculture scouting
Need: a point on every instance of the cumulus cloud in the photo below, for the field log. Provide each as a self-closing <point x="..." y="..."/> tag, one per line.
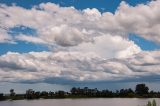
<point x="108" y="46"/>
<point x="4" y="37"/>
<point x="66" y="36"/>
<point x="68" y="26"/>
<point x="142" y="19"/>
<point x="91" y="46"/>
<point x="75" y="66"/>
<point x="31" y="39"/>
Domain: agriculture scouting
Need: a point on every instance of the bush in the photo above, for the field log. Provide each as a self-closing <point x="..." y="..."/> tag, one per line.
<point x="153" y="103"/>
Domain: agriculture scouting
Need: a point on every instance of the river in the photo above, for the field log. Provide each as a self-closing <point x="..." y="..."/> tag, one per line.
<point x="80" y="102"/>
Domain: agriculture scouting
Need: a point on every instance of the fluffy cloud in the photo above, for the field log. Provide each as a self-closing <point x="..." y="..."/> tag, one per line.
<point x="91" y="46"/>
<point x="4" y="37"/>
<point x="66" y="36"/>
<point x="75" y="66"/>
<point x="31" y="39"/>
<point x="108" y="46"/>
<point x="67" y="26"/>
<point x="142" y="19"/>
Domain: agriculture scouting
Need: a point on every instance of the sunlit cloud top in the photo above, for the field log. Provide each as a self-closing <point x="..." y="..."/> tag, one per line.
<point x="65" y="43"/>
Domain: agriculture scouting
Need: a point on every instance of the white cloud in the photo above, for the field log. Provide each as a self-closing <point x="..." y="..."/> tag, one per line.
<point x="31" y="39"/>
<point x="4" y="37"/>
<point x="87" y="40"/>
<point x="92" y="14"/>
<point x="141" y="19"/>
<point x="66" y="36"/>
<point x="108" y="46"/>
<point x="75" y="66"/>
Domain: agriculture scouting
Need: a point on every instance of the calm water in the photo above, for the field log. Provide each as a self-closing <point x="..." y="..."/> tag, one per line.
<point x="79" y="102"/>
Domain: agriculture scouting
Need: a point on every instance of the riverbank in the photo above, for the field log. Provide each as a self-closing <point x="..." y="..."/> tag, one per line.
<point x="141" y="91"/>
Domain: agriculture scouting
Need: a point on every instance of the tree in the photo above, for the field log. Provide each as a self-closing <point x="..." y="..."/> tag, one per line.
<point x="37" y="94"/>
<point x="30" y="94"/>
<point x="141" y="89"/>
<point x="74" y="91"/>
<point x="1" y="96"/>
<point x="12" y="93"/>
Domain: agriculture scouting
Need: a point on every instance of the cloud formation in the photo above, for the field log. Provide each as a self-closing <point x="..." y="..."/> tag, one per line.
<point x="32" y="39"/>
<point x="75" y="66"/>
<point x="108" y="46"/>
<point x="90" y="46"/>
<point x="67" y="26"/>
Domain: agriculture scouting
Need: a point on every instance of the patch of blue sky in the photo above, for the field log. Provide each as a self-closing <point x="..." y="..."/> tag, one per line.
<point x="22" y="30"/>
<point x="101" y="5"/>
<point x="143" y="43"/>
<point x="21" y="47"/>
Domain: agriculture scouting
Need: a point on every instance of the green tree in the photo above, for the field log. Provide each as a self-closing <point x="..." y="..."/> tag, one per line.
<point x="30" y="94"/>
<point x="12" y="93"/>
<point x="74" y="91"/>
<point x="1" y="96"/>
<point x="141" y="89"/>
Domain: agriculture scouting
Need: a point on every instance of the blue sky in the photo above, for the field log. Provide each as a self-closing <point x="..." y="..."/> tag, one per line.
<point x="96" y="41"/>
<point x="102" y="6"/>
<point x="143" y="43"/>
<point x="21" y="46"/>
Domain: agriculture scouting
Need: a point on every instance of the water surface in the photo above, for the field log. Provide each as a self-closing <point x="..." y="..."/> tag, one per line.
<point x="80" y="102"/>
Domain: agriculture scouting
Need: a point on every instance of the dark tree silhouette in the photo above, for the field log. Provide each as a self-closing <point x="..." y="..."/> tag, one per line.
<point x="141" y="89"/>
<point x="76" y="92"/>
<point x="2" y="96"/>
<point x="30" y="94"/>
<point x="60" y="94"/>
<point x="12" y="93"/>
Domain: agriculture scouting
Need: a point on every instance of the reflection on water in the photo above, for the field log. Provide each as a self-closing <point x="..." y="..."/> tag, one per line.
<point x="80" y="102"/>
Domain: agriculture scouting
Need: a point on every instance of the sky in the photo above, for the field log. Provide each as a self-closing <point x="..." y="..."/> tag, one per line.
<point x="58" y="44"/>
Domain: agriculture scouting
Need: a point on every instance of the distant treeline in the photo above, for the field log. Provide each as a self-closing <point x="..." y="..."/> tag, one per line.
<point x="141" y="91"/>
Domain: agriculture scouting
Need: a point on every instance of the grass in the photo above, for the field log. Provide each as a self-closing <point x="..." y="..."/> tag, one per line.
<point x="151" y="103"/>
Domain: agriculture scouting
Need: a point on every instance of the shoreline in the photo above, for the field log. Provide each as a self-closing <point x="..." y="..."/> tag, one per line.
<point x="81" y="98"/>
<point x="141" y="91"/>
